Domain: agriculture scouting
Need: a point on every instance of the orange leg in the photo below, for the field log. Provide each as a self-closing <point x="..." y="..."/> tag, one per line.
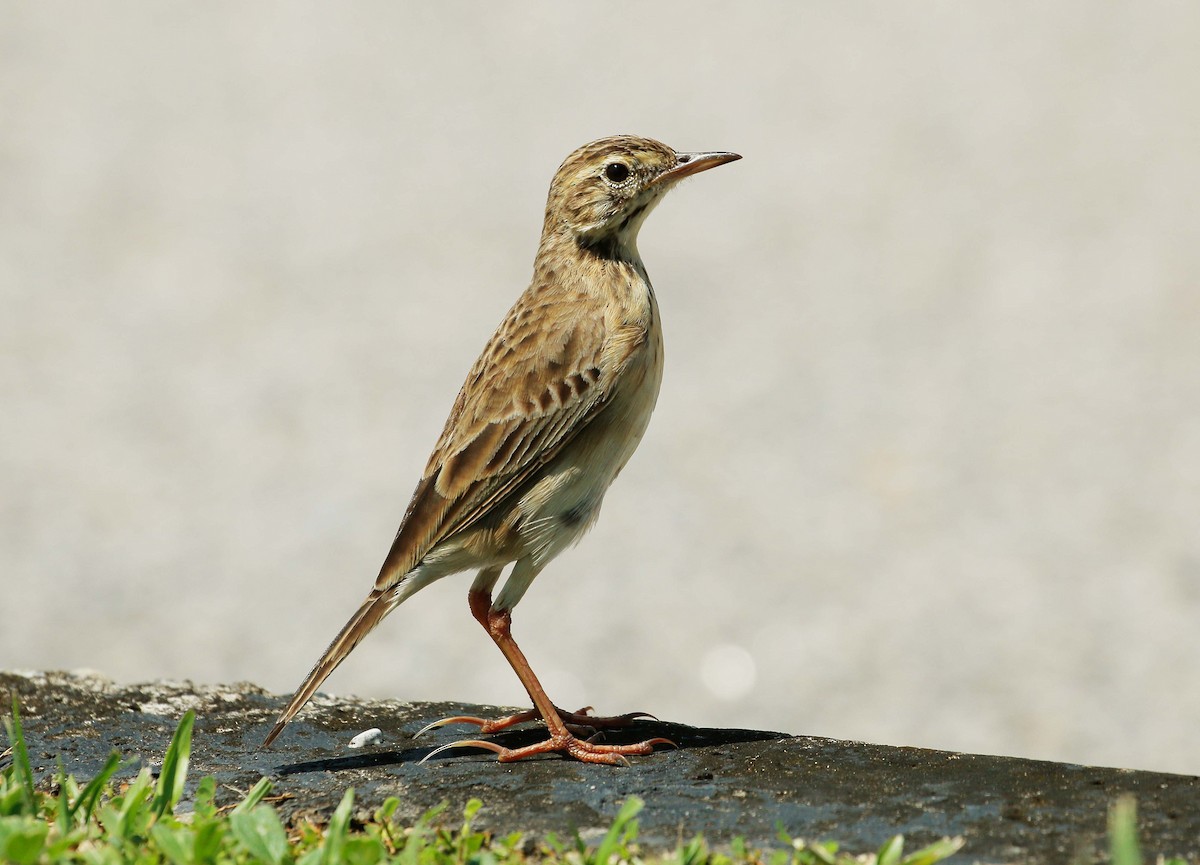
<point x="498" y="624"/>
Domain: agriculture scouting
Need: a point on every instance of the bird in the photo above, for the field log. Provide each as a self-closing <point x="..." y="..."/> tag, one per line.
<point x="548" y="416"/>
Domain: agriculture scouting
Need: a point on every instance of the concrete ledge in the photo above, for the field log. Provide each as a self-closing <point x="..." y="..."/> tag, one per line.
<point x="720" y="782"/>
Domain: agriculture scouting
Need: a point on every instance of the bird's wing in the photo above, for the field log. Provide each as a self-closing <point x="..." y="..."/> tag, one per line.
<point x="539" y="382"/>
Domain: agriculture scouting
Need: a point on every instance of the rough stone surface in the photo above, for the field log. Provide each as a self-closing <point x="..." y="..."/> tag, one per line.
<point x="719" y="782"/>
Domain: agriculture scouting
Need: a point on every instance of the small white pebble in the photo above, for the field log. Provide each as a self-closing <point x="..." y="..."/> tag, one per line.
<point x="367" y="737"/>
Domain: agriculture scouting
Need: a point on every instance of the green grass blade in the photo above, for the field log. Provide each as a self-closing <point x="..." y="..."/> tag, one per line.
<point x="175" y="843"/>
<point x="335" y="835"/>
<point x="469" y="843"/>
<point x="22" y="839"/>
<point x="616" y="835"/>
<point x="256" y="794"/>
<point x="129" y="814"/>
<point x="64" y="784"/>
<point x="175" y="765"/>
<point x="935" y="852"/>
<point x="1122" y="832"/>
<point x="416" y="844"/>
<point x="203" y="805"/>
<point x="84" y="805"/>
<point x="261" y="833"/>
<point x="210" y="834"/>
<point x="695" y="852"/>
<point x="824" y="852"/>
<point x="21" y="767"/>
<point x="891" y="851"/>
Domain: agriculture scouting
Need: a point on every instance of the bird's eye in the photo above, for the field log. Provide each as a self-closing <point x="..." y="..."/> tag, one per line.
<point x="616" y="172"/>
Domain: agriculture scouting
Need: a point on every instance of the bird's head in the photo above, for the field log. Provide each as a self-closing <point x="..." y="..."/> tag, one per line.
<point x="603" y="191"/>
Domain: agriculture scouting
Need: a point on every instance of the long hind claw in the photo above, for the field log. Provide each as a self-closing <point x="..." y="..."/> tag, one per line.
<point x="464" y="743"/>
<point x="484" y="725"/>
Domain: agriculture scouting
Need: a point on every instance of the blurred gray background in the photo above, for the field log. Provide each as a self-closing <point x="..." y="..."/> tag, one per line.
<point x="926" y="464"/>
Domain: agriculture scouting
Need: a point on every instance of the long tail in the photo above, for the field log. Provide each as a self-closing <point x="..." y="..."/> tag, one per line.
<point x="377" y="605"/>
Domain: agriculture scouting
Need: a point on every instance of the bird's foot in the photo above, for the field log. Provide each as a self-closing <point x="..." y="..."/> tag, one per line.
<point x="579" y="723"/>
<point x="567" y="743"/>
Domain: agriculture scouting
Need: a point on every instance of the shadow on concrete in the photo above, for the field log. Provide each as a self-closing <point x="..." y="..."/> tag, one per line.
<point x="683" y="736"/>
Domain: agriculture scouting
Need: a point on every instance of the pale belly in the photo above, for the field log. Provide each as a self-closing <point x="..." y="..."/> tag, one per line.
<point x="563" y="504"/>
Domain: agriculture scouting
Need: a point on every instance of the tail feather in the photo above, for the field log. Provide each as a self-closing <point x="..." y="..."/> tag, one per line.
<point x="374" y="608"/>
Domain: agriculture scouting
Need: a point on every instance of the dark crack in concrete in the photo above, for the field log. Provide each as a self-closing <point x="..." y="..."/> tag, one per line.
<point x="721" y="783"/>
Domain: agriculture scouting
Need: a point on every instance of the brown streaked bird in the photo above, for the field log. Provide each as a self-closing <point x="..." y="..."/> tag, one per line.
<point x="548" y="416"/>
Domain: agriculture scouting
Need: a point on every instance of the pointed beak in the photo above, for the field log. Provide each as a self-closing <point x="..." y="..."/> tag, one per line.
<point x="687" y="164"/>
